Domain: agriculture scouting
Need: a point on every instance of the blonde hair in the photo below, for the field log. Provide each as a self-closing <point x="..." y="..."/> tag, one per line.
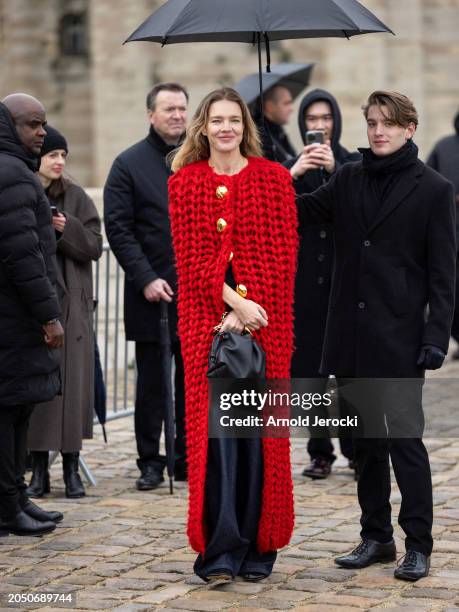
<point x="196" y="146"/>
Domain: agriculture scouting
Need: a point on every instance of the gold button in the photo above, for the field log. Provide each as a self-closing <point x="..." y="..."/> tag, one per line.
<point x="241" y="290"/>
<point x="230" y="258"/>
<point x="221" y="191"/>
<point x="221" y="225"/>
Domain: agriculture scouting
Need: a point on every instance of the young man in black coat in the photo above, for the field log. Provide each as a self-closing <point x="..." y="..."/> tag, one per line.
<point x="314" y="167"/>
<point x="395" y="255"/>
<point x="136" y="216"/>
<point x="30" y="331"/>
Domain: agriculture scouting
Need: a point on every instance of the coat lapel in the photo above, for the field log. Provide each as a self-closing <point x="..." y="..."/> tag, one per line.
<point x="401" y="191"/>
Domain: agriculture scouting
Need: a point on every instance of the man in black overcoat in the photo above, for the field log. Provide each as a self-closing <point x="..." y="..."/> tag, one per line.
<point x="136" y="217"/>
<point x="30" y="331"/>
<point x="315" y="166"/>
<point x="390" y="311"/>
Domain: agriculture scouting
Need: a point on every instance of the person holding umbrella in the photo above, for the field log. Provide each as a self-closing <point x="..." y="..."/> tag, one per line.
<point x="233" y="223"/>
<point x="65" y="421"/>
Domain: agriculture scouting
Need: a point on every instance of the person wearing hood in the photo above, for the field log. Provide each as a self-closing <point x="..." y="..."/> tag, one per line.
<point x="389" y="319"/>
<point x="314" y="167"/>
<point x="136" y="215"/>
<point x="66" y="420"/>
<point x="30" y="331"/>
<point x="444" y="158"/>
<point x="277" y="107"/>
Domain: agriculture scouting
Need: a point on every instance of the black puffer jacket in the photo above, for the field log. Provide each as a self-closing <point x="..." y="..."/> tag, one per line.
<point x="29" y="370"/>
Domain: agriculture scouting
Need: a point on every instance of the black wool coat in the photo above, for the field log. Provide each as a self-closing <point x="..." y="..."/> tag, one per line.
<point x="316" y="251"/>
<point x="136" y="217"/>
<point x="386" y="275"/>
<point x="29" y="370"/>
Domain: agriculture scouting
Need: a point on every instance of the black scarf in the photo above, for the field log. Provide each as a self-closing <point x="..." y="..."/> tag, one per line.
<point x="383" y="175"/>
<point x="156" y="140"/>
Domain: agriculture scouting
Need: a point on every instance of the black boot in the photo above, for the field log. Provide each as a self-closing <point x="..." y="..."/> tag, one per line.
<point x="39" y="483"/>
<point x="73" y="486"/>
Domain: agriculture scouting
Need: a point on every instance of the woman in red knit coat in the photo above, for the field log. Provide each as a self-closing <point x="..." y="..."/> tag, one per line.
<point x="234" y="224"/>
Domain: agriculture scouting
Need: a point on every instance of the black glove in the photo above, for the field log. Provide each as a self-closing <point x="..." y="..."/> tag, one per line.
<point x="431" y="357"/>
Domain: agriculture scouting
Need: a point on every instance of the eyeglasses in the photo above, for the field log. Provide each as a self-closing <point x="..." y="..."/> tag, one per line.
<point x="315" y="118"/>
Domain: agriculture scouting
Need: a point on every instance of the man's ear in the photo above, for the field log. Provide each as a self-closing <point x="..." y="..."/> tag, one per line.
<point x="410" y="130"/>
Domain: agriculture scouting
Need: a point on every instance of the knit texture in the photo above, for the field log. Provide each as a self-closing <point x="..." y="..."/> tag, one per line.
<point x="259" y="209"/>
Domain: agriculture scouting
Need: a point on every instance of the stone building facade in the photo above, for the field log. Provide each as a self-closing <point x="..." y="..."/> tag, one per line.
<point x="69" y="53"/>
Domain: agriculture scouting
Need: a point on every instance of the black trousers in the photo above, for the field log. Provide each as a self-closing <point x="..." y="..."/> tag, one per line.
<point x="410" y="463"/>
<point x="394" y="412"/>
<point x="234" y="482"/>
<point x="14" y="422"/>
<point x="149" y="404"/>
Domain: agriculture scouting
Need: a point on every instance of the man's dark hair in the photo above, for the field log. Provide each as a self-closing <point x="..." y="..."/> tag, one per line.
<point x="272" y="94"/>
<point x="400" y="108"/>
<point x="153" y="94"/>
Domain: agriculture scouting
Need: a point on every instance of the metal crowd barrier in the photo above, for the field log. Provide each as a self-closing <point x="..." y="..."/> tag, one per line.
<point x="116" y="354"/>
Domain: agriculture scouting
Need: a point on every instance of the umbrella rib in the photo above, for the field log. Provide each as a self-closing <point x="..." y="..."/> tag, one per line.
<point x="346" y="15"/>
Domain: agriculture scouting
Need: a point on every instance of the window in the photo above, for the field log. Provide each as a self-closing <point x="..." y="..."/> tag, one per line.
<point x="74" y="35"/>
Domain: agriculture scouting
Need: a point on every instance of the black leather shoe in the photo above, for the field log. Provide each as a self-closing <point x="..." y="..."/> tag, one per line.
<point x="151" y="477"/>
<point x="367" y="553"/>
<point x="41" y="515"/>
<point x="25" y="525"/>
<point x="415" y="565"/>
<point x="73" y="484"/>
<point x="318" y="469"/>
<point x="39" y="484"/>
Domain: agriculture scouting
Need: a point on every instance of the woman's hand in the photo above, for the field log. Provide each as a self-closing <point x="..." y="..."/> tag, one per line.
<point x="252" y="315"/>
<point x="59" y="222"/>
<point x="232" y="323"/>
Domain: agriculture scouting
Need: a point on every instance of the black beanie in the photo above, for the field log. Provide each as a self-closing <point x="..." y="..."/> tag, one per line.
<point x="53" y="140"/>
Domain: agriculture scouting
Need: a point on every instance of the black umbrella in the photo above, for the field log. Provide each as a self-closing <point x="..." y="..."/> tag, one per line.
<point x="250" y="21"/>
<point x="295" y="77"/>
<point x="169" y="412"/>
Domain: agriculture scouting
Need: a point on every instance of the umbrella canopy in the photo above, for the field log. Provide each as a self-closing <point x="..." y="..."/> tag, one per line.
<point x="295" y="77"/>
<point x="181" y="21"/>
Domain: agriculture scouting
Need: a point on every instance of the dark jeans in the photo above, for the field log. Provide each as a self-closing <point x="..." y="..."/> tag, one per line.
<point x="234" y="483"/>
<point x="14" y="422"/>
<point x="149" y="404"/>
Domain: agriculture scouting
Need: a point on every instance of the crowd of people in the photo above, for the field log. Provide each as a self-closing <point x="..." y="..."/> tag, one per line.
<point x="339" y="263"/>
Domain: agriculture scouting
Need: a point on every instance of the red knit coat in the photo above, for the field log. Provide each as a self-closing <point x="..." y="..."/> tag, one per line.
<point x="261" y="232"/>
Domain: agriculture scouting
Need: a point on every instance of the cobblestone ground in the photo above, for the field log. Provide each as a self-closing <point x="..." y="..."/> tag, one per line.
<point x="119" y="549"/>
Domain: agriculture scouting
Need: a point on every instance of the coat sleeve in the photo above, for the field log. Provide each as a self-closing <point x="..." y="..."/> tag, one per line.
<point x="21" y="255"/>
<point x="317" y="207"/>
<point x="82" y="238"/>
<point x="441" y="265"/>
<point x="119" y="195"/>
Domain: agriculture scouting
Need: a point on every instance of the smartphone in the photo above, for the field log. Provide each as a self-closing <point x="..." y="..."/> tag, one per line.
<point x="315" y="137"/>
<point x="54" y="210"/>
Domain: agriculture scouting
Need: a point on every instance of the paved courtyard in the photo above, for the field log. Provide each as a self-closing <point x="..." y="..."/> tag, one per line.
<point x="119" y="549"/>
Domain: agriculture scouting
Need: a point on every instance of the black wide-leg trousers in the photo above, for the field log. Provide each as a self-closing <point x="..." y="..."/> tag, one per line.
<point x="233" y="492"/>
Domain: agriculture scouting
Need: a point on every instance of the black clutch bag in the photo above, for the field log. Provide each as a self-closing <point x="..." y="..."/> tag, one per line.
<point x="233" y="355"/>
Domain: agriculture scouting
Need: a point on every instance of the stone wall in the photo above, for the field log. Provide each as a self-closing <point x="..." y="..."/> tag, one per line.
<point x="98" y="99"/>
